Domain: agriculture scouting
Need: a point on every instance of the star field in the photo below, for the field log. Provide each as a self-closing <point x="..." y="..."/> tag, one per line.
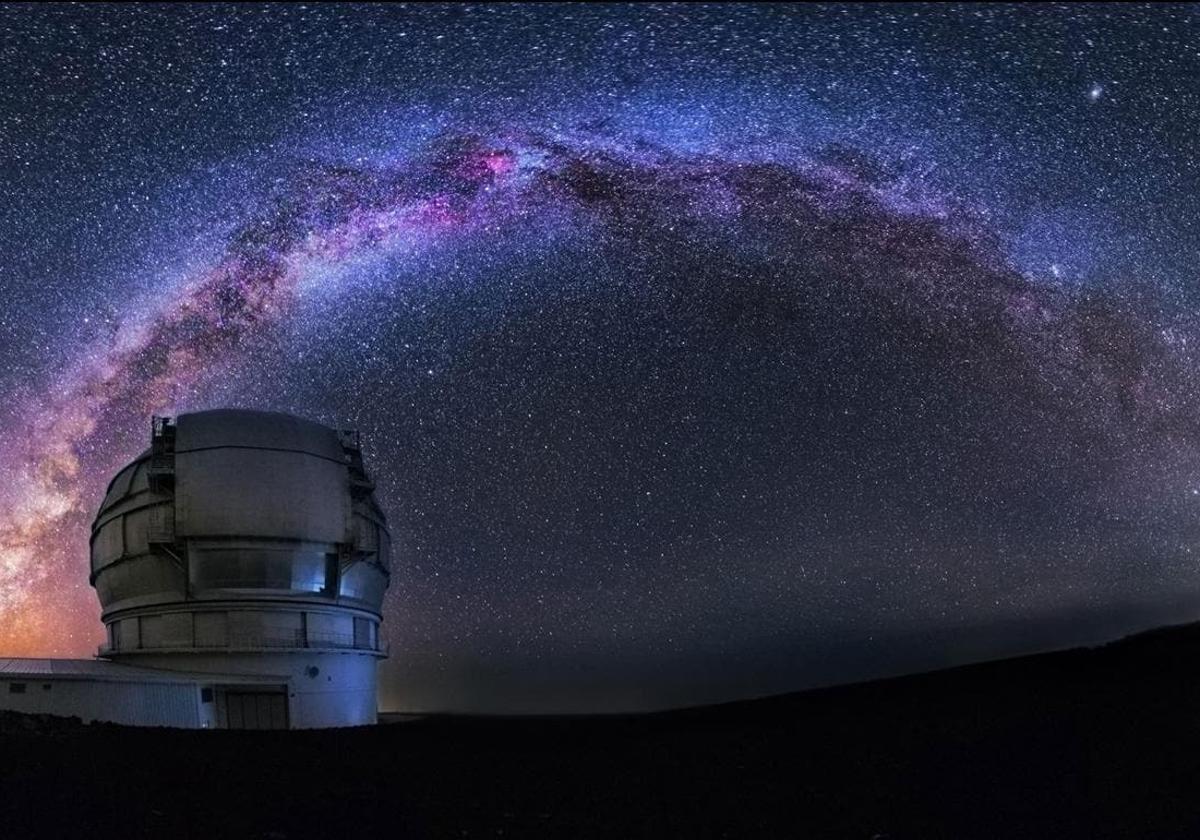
<point x="699" y="352"/>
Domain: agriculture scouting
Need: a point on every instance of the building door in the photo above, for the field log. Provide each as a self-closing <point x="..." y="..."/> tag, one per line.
<point x="256" y="710"/>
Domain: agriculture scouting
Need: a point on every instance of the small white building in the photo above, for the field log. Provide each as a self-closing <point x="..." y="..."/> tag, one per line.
<point x="99" y="690"/>
<point x="241" y="563"/>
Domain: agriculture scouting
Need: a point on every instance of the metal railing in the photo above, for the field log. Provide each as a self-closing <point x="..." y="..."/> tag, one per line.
<point x="264" y="642"/>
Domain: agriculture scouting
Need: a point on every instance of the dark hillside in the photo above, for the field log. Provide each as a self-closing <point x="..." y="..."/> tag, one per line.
<point x="1086" y="743"/>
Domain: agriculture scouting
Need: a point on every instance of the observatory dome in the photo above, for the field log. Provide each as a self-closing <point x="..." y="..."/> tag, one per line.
<point x="248" y="542"/>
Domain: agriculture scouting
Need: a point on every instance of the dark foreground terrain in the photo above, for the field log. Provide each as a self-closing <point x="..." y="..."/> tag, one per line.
<point x="1090" y="743"/>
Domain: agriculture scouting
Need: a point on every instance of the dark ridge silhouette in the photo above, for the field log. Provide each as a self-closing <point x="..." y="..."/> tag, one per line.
<point x="1091" y="742"/>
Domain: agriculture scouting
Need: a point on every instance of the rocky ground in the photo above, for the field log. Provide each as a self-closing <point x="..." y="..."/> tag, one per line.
<point x="1090" y="743"/>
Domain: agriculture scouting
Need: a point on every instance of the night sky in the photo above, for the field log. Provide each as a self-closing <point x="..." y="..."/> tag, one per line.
<point x="699" y="351"/>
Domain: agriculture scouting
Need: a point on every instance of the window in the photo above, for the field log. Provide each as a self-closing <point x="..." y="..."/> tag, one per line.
<point x="46" y="686"/>
<point x="206" y="695"/>
<point x="261" y="568"/>
<point x="16" y="688"/>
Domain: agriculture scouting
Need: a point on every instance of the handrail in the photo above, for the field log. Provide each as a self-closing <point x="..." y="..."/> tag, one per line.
<point x="259" y="641"/>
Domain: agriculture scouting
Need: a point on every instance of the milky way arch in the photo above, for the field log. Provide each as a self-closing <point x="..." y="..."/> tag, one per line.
<point x="890" y="244"/>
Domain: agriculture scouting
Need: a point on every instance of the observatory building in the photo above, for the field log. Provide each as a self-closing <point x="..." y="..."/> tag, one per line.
<point x="241" y="563"/>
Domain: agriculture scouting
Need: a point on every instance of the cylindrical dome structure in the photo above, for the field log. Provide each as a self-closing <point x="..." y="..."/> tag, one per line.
<point x="249" y="543"/>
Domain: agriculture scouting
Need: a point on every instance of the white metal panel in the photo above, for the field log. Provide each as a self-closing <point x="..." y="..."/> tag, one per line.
<point x="330" y="629"/>
<point x="166" y="630"/>
<point x="265" y="628"/>
<point x="119" y="488"/>
<point x="255" y="430"/>
<point x="130" y="703"/>
<point x="212" y="629"/>
<point x="260" y="493"/>
<point x="108" y="544"/>
<point x="128" y="633"/>
<point x="137" y="529"/>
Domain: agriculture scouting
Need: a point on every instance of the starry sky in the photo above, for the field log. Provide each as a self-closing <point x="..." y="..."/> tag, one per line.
<point x="700" y="352"/>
